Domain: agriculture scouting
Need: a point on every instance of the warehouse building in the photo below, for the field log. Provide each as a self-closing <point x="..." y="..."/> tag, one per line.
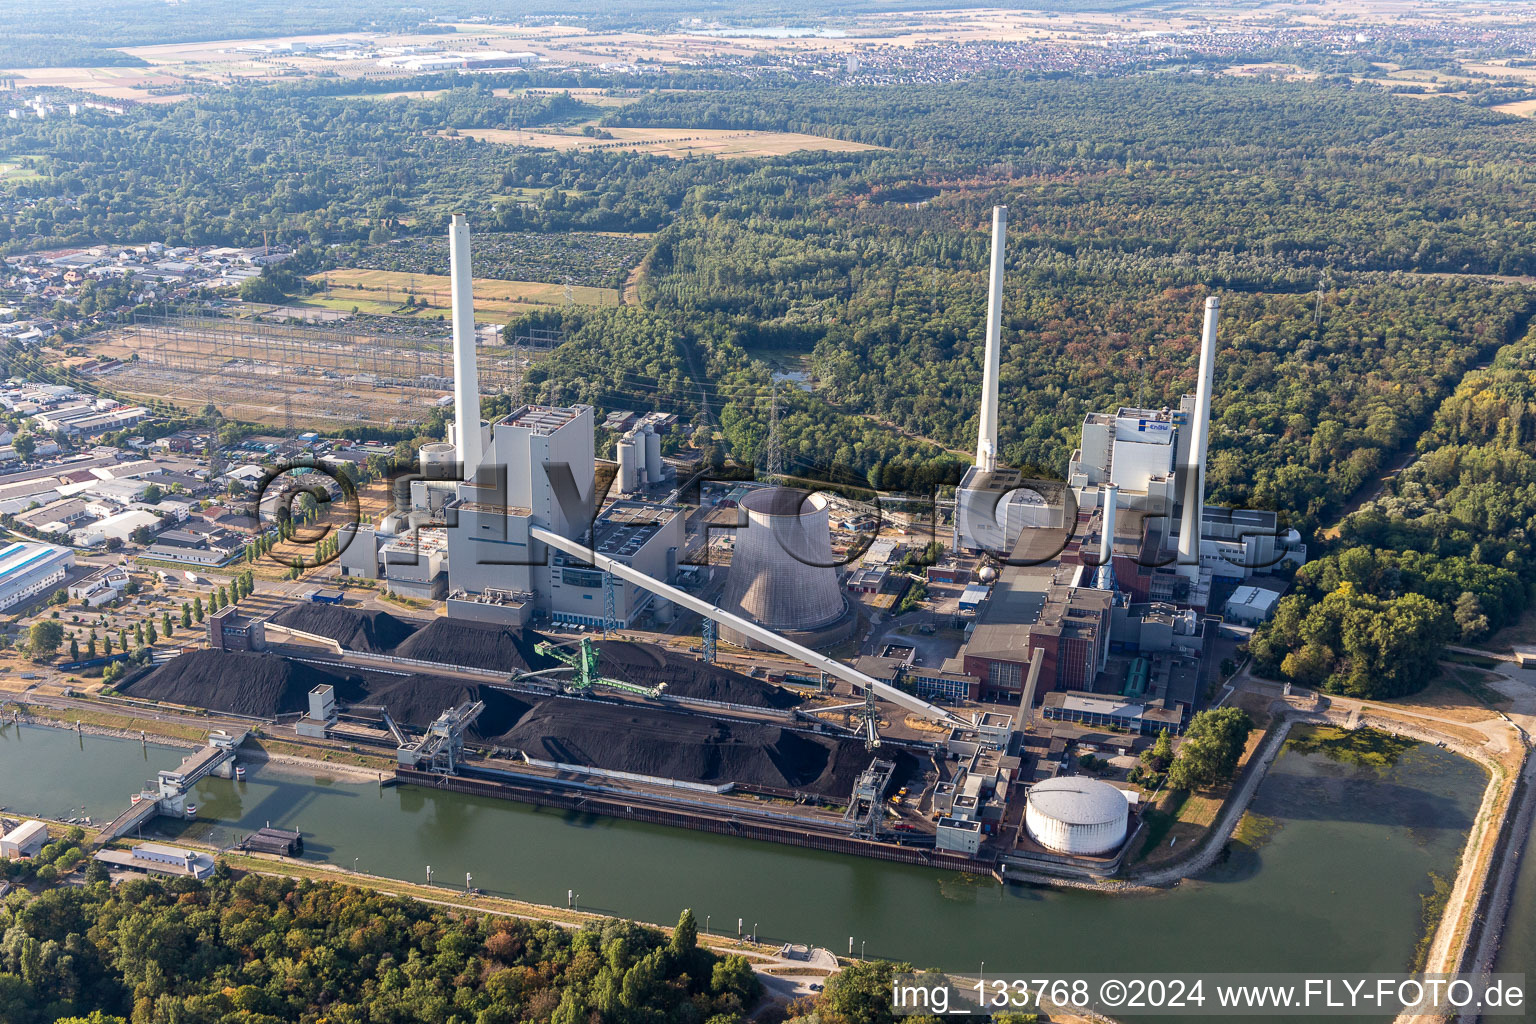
<point x="28" y="569"/>
<point x="25" y="840"/>
<point x="159" y="859"/>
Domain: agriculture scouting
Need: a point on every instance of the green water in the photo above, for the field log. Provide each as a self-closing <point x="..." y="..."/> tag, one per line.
<point x="1335" y="886"/>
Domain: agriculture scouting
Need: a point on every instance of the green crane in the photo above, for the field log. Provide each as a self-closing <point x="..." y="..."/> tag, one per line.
<point x="583" y="661"/>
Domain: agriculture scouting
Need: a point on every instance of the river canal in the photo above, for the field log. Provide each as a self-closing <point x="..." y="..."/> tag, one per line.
<point x="1331" y="883"/>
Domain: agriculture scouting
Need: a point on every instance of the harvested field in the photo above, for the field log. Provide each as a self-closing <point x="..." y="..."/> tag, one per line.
<point x="693" y="748"/>
<point x="385" y="292"/>
<point x="648" y="665"/>
<point x="373" y="632"/>
<point x="676" y="142"/>
<point x="240" y="683"/>
<point x="474" y="645"/>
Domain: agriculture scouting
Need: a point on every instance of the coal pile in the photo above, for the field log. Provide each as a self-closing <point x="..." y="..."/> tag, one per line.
<point x="372" y="632"/>
<point x="648" y="665"/>
<point x="475" y="645"/>
<point x="418" y="699"/>
<point x="692" y="748"/>
<point x="241" y="683"/>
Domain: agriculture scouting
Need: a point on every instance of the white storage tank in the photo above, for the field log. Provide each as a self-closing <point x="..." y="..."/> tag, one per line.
<point x="439" y="461"/>
<point x="653" y="471"/>
<point x="629" y="469"/>
<point x="1076" y="815"/>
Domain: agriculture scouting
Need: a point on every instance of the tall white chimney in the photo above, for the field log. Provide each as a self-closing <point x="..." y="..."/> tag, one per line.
<point x="986" y="436"/>
<point x="1194" y="477"/>
<point x="1106" y="574"/>
<point x="466" y="376"/>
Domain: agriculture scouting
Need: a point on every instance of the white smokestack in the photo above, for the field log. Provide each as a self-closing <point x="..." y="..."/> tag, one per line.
<point x="466" y="377"/>
<point x="1194" y="479"/>
<point x="1107" y="541"/>
<point x="1106" y="574"/>
<point x="986" y="439"/>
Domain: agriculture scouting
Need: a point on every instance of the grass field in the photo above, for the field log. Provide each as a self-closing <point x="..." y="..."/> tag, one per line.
<point x="13" y="170"/>
<point x="678" y="142"/>
<point x="386" y="292"/>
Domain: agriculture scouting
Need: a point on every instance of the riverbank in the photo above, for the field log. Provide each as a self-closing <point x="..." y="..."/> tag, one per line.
<point x="253" y="751"/>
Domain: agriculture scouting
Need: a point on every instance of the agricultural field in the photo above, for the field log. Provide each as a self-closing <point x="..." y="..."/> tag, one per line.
<point x="675" y="142"/>
<point x="395" y="292"/>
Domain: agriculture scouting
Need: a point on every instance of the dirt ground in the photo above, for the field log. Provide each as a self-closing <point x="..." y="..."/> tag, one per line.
<point x="676" y="142"/>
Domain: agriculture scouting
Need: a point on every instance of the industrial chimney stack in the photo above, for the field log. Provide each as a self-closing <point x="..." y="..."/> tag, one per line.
<point x="1106" y="574"/>
<point x="1194" y="478"/>
<point x="466" y="377"/>
<point x="986" y="440"/>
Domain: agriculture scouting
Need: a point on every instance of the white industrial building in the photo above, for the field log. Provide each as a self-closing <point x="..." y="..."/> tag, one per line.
<point x="159" y="859"/>
<point x="119" y="526"/>
<point x="28" y="569"/>
<point x="25" y="840"/>
<point x="1251" y="605"/>
<point x="467" y="535"/>
<point x="1153" y="460"/>
<point x="1077" y="816"/>
<point x="645" y="536"/>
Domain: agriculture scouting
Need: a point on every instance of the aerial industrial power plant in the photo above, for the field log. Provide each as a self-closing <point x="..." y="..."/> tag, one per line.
<point x="752" y="513"/>
<point x="699" y="664"/>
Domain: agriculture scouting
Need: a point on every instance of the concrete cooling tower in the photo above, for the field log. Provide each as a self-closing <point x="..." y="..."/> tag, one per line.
<point x="782" y="573"/>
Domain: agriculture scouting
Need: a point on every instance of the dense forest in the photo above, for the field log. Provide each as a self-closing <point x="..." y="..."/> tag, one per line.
<point x="262" y="950"/>
<point x="1445" y="556"/>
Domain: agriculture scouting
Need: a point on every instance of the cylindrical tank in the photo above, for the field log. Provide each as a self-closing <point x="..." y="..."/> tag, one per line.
<point x="629" y="471"/>
<point x="782" y="572"/>
<point x="1076" y="815"/>
<point x="439" y="461"/>
<point x="662" y="612"/>
<point x="391" y="525"/>
<point x="653" y="470"/>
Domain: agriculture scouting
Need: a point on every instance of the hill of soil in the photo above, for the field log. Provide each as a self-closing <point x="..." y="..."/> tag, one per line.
<point x="649" y="665"/>
<point x="241" y="683"/>
<point x="372" y="632"/>
<point x="691" y="747"/>
<point x="474" y="645"/>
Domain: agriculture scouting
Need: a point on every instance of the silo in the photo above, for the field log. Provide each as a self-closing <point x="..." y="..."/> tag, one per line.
<point x="782" y="574"/>
<point x="653" y="471"/>
<point x="1076" y="815"/>
<point x="439" y="461"/>
<point x="629" y="471"/>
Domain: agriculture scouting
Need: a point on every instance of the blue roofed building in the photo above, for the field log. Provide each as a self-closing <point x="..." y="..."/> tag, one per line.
<point x="28" y="569"/>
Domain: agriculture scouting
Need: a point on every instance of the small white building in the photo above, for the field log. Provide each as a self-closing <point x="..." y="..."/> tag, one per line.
<point x="25" y="840"/>
<point x="1250" y="605"/>
<point x="99" y="587"/>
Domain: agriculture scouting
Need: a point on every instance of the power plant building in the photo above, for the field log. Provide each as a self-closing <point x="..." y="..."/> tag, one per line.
<point x="645" y="536"/>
